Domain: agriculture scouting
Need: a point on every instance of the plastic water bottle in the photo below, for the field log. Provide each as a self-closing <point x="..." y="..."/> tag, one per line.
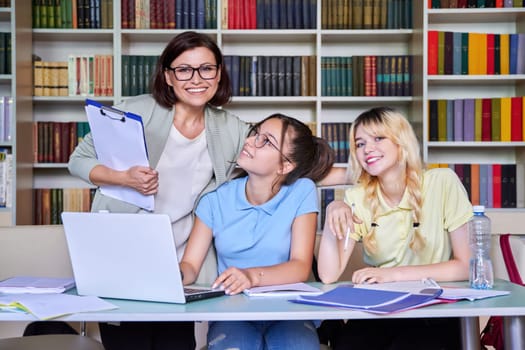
<point x="481" y="274"/>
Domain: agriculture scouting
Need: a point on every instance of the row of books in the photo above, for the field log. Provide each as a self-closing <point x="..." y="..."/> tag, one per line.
<point x="92" y="14"/>
<point x="49" y="203"/>
<point x="271" y="75"/>
<point x="137" y="72"/>
<point x="5" y="53"/>
<point x="6" y="176"/>
<point x="480" y="119"/>
<point x="366" y="76"/>
<point x="6" y="118"/>
<point x="366" y="14"/>
<point x="337" y="135"/>
<point x="475" y="53"/>
<point x="442" y="4"/>
<point x="80" y="75"/>
<point x="169" y="14"/>
<point x="269" y="14"/>
<point x="492" y="185"/>
<point x="53" y="142"/>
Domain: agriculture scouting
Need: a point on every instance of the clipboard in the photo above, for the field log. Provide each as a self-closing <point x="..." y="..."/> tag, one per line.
<point x="120" y="143"/>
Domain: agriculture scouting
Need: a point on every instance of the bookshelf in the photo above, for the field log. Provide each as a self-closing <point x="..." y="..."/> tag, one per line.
<point x="15" y="83"/>
<point x="478" y="87"/>
<point x="56" y="44"/>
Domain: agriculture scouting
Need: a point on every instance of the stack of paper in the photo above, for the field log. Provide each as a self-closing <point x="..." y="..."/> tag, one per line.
<point x="283" y="290"/>
<point x="23" y="284"/>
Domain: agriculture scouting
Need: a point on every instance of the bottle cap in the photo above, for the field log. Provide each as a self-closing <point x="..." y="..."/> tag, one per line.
<point x="478" y="208"/>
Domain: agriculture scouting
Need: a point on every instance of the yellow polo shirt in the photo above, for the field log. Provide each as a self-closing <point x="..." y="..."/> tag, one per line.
<point x="445" y="208"/>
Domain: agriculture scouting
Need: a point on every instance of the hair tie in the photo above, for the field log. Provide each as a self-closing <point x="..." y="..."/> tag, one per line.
<point x="415" y="224"/>
<point x="375" y="225"/>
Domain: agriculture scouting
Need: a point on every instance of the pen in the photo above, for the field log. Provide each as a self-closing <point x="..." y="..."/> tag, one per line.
<point x="347" y="236"/>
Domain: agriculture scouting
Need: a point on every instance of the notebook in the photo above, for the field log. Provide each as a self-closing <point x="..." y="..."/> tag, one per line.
<point x="127" y="256"/>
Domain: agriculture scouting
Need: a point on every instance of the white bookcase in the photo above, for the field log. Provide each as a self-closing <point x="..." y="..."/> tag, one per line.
<point x="56" y="44"/>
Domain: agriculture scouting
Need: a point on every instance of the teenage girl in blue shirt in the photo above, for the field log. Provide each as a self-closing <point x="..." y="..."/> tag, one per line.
<point x="263" y="226"/>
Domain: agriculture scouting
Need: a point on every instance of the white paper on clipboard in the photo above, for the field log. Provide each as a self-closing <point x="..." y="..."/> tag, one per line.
<point x="119" y="142"/>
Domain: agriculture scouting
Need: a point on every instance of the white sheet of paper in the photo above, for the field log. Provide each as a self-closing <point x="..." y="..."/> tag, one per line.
<point x="119" y="143"/>
<point x="47" y="306"/>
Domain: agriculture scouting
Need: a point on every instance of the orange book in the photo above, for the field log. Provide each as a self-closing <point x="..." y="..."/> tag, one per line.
<point x="474" y="184"/>
<point x="505" y="119"/>
<point x="504" y="52"/>
<point x="477" y="53"/>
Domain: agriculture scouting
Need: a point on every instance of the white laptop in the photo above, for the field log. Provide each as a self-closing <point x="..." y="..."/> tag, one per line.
<point x="127" y="256"/>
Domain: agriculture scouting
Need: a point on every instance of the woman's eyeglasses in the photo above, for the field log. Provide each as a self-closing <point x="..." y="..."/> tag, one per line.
<point x="263" y="139"/>
<point x="185" y="73"/>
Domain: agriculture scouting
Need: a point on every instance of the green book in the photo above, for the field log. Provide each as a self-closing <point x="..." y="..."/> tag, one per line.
<point x="464" y="53"/>
<point x="125" y="78"/>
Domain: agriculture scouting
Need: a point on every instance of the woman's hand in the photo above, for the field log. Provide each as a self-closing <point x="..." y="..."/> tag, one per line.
<point x="143" y="179"/>
<point x="233" y="281"/>
<point x="340" y="218"/>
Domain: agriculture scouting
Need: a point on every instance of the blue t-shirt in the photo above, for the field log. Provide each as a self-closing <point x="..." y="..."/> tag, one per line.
<point x="246" y="235"/>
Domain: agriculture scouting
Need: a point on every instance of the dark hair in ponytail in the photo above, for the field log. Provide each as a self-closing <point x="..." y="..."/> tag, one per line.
<point x="312" y="156"/>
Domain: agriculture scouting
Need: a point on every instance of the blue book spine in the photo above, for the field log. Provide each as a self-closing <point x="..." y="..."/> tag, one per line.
<point x="456" y="48"/>
<point x="458" y="120"/>
<point x="513" y="53"/>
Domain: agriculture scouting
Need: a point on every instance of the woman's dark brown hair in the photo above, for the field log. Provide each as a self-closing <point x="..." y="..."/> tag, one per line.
<point x="163" y="94"/>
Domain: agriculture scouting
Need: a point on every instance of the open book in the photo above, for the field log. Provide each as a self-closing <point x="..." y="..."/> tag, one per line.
<point x="283" y="290"/>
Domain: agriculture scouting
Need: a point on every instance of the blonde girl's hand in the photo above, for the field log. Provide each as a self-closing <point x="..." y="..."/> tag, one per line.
<point x="373" y="275"/>
<point x="340" y="217"/>
<point x="233" y="281"/>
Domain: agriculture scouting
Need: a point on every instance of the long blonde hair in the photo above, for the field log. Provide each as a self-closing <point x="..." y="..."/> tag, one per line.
<point x="389" y="123"/>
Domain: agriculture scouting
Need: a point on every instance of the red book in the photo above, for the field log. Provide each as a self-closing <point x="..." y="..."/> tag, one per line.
<point x="124" y="13"/>
<point x="499" y="3"/>
<point x="432" y="52"/>
<point x="486" y="119"/>
<point x="516" y="119"/>
<point x="496" y="185"/>
<point x="368" y="76"/>
<point x="490" y="53"/>
<point x="169" y="14"/>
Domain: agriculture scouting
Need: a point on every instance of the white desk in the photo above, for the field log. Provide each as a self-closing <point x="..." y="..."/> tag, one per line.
<point x="240" y="307"/>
